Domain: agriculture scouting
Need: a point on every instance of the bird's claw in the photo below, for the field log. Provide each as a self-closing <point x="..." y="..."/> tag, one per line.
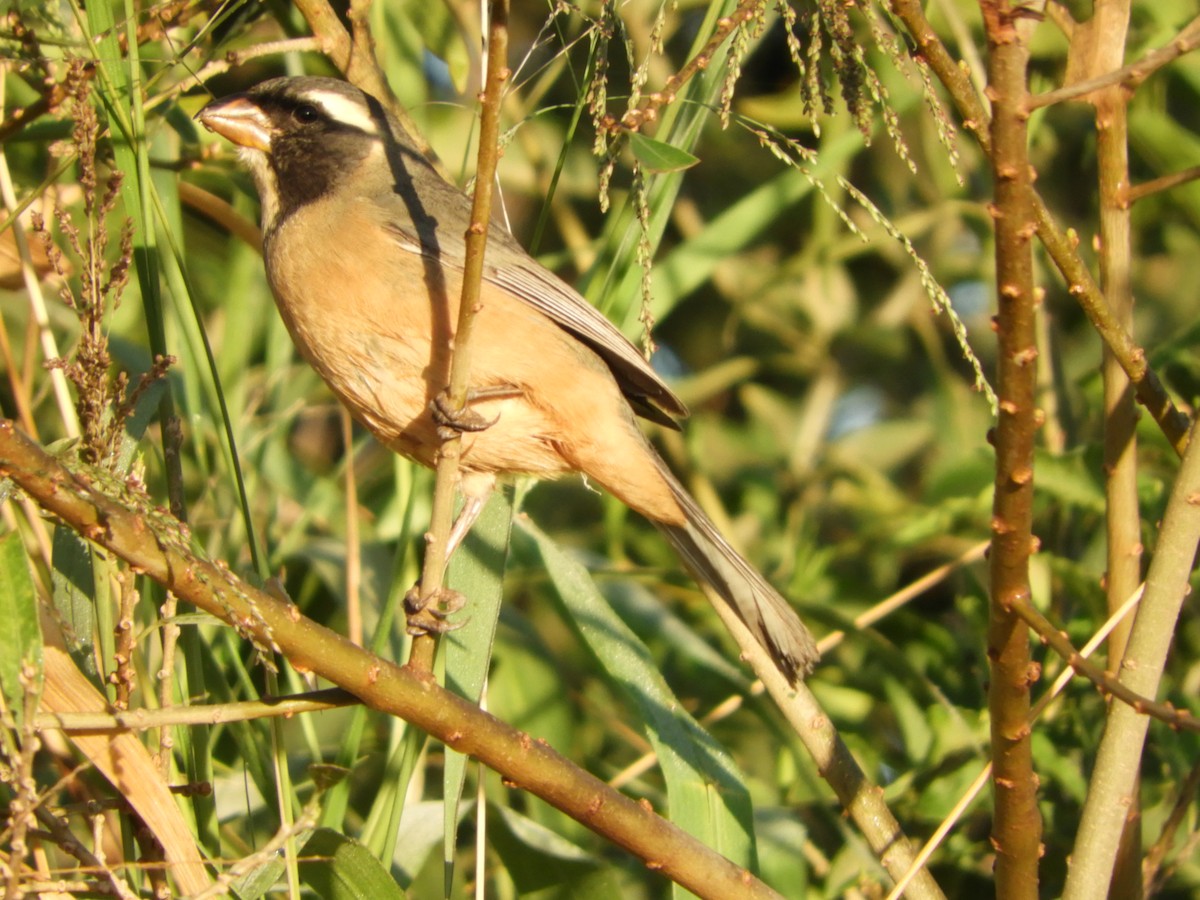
<point x="458" y="420"/>
<point x="428" y="615"/>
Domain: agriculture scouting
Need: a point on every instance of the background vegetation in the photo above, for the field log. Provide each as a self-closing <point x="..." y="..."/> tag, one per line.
<point x="822" y="284"/>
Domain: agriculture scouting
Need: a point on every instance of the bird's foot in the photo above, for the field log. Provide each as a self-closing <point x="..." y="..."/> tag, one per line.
<point x="429" y="614"/>
<point x="466" y="419"/>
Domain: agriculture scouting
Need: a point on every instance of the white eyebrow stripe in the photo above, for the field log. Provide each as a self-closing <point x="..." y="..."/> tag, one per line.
<point x="344" y="110"/>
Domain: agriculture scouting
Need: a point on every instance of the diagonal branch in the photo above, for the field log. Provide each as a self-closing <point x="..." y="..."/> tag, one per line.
<point x="1105" y="682"/>
<point x="1119" y="757"/>
<point x="1130" y="76"/>
<point x="154" y="544"/>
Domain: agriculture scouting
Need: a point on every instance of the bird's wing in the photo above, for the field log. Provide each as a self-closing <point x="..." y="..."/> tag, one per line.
<point x="522" y="275"/>
<point x="551" y="296"/>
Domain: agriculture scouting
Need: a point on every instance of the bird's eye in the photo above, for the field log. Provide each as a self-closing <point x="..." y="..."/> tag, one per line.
<point x="306" y="114"/>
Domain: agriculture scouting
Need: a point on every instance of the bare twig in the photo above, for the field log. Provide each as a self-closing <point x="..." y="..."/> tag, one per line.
<point x="1165" y="183"/>
<point x="862" y="800"/>
<point x="976" y="787"/>
<point x="1158" y="852"/>
<point x="1130" y="76"/>
<point x="67" y="841"/>
<point x="1132" y="358"/>
<point x="865" y="619"/>
<point x="1106" y="682"/>
<point x="222" y="213"/>
<point x="143" y="719"/>
<point x="1098" y="45"/>
<point x="653" y="104"/>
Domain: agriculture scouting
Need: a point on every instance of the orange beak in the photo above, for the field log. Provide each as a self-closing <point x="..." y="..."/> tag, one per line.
<point x="240" y="121"/>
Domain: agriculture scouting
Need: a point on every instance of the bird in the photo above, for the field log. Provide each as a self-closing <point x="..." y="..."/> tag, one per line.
<point x="364" y="248"/>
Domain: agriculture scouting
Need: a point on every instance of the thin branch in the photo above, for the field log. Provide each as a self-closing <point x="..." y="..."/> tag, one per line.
<point x="222" y="213"/>
<point x="1158" y="852"/>
<point x="69" y="844"/>
<point x="653" y="104"/>
<point x="202" y="714"/>
<point x="235" y="58"/>
<point x="976" y="787"/>
<point x="1118" y="758"/>
<point x="863" y="620"/>
<point x="1106" y="682"/>
<point x="862" y="800"/>
<point x="441" y="518"/>
<point x="55" y="94"/>
<point x="1099" y="45"/>
<point x="1130" y="76"/>
<point x="1165" y="183"/>
<point x="154" y="544"/>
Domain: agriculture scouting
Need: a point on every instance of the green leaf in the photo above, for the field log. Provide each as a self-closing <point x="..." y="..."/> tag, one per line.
<point x="477" y="572"/>
<point x="338" y="868"/>
<point x="73" y="584"/>
<point x="259" y="880"/>
<point x="537" y="858"/>
<point x="706" y="792"/>
<point x="1068" y="479"/>
<point x="911" y="719"/>
<point x="421" y="831"/>
<point x="20" y="632"/>
<point x="660" y="157"/>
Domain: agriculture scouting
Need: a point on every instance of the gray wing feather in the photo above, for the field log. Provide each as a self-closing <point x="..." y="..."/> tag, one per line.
<point x="524" y="276"/>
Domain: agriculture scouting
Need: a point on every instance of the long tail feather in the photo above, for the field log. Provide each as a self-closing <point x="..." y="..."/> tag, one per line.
<point x="710" y="558"/>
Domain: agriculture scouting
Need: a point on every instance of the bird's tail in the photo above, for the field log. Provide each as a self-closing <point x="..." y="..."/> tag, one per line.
<point x="710" y="559"/>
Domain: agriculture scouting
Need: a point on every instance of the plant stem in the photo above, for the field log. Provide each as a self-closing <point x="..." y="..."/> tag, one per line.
<point x="1099" y="45"/>
<point x="1016" y="828"/>
<point x="1114" y="777"/>
<point x="441" y="519"/>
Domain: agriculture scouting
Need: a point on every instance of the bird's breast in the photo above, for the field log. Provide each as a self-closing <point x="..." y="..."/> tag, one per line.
<point x="363" y="313"/>
<point x="376" y="320"/>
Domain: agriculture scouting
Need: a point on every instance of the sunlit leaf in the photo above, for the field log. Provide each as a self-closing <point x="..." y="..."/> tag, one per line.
<point x="20" y="632"/>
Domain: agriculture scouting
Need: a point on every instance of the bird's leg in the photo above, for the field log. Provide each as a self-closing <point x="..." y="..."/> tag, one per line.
<point x="428" y="615"/>
<point x="467" y="516"/>
<point x="466" y="419"/>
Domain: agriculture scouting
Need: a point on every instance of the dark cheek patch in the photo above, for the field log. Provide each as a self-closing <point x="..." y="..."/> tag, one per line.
<point x="313" y="163"/>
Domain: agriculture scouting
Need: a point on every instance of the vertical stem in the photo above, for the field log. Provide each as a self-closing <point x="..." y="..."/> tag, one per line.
<point x="1016" y="829"/>
<point x="434" y="569"/>
<point x="1110" y="24"/>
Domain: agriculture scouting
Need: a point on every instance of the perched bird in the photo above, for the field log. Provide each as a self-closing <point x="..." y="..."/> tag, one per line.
<point x="364" y="245"/>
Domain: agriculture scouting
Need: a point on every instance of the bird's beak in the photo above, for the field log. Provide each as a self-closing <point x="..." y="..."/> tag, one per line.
<point x="239" y="120"/>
